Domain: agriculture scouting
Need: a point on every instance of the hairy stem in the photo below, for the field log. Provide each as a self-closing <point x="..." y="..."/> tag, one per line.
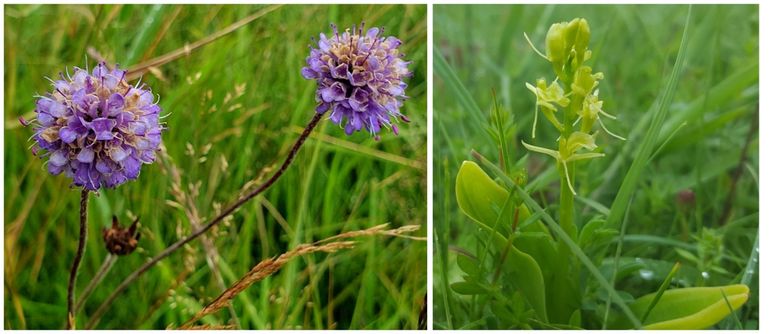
<point x="78" y="257"/>
<point x="224" y="214"/>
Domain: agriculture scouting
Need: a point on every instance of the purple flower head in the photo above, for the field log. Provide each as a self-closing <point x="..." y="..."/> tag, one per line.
<point x="96" y="128"/>
<point x="360" y="77"/>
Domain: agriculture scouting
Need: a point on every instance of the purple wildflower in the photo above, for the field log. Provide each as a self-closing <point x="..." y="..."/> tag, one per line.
<point x="96" y="128"/>
<point x="360" y="78"/>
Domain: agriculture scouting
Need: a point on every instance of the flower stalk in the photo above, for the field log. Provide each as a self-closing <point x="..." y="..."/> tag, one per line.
<point x="71" y="312"/>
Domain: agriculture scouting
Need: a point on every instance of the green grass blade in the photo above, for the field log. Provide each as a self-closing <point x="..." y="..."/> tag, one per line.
<point x="662" y="289"/>
<point x="150" y="24"/>
<point x="733" y="315"/>
<point x="444" y="71"/>
<point x="618" y="251"/>
<point x="645" y="150"/>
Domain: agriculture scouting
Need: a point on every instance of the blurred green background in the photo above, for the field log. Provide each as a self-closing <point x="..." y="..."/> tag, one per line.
<point x="478" y="49"/>
<point x="236" y="106"/>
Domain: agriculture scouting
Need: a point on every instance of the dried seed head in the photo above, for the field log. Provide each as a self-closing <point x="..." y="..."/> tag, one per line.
<point x="119" y="240"/>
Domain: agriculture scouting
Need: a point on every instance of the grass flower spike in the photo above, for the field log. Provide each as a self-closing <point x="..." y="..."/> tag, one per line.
<point x="96" y="128"/>
<point x="360" y="77"/>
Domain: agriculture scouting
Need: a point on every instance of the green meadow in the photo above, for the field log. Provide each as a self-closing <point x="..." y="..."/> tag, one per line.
<point x="235" y="105"/>
<point x="683" y="188"/>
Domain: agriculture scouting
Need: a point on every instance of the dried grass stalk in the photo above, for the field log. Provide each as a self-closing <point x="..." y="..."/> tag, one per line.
<point x="268" y="267"/>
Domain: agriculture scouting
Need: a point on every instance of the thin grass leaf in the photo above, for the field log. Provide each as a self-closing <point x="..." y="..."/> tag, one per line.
<point x="733" y="316"/>
<point x="145" y="32"/>
<point x="634" y="174"/>
<point x="445" y="72"/>
<point x="618" y="251"/>
<point x="663" y="287"/>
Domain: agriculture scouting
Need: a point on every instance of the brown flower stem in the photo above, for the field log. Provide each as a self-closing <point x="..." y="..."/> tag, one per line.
<point x="738" y="172"/>
<point x="78" y="258"/>
<point x="224" y="214"/>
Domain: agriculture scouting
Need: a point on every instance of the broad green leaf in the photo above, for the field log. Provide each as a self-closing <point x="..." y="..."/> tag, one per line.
<point x="691" y="308"/>
<point x="480" y="197"/>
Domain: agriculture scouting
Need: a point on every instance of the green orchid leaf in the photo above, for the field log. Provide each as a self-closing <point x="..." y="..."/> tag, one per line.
<point x="691" y="308"/>
<point x="482" y="200"/>
<point x="480" y="197"/>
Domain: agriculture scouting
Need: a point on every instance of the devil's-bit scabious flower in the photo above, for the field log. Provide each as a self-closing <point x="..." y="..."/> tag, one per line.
<point x="360" y="77"/>
<point x="96" y="128"/>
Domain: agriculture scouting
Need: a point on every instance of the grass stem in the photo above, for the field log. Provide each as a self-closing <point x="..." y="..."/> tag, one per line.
<point x="103" y="270"/>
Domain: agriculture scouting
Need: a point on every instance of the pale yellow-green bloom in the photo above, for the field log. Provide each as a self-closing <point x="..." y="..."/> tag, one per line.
<point x="568" y="151"/>
<point x="546" y="97"/>
<point x="592" y="109"/>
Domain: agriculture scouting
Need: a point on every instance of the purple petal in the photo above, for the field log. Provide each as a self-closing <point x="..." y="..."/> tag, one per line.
<point x="340" y="72"/>
<point x="308" y="73"/>
<point x="62" y="86"/>
<point x="115" y="104"/>
<point x="115" y="179"/>
<point x="103" y="128"/>
<point x="372" y="32"/>
<point x="57" y="109"/>
<point x="358" y="100"/>
<point x="335" y="92"/>
<point x="357" y="78"/>
<point x="55" y="170"/>
<point x="322" y="108"/>
<point x="103" y="167"/>
<point x="86" y="155"/>
<point x="58" y="158"/>
<point x="117" y="153"/>
<point x="348" y="129"/>
<point x="67" y="135"/>
<point x="45" y="119"/>
<point x="337" y="114"/>
<point x="131" y="167"/>
<point x="79" y="77"/>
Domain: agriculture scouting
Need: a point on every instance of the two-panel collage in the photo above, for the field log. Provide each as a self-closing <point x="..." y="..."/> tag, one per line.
<point x="355" y="166"/>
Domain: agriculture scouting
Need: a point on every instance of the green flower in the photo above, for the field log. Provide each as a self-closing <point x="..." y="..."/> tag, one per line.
<point x="589" y="114"/>
<point x="546" y="97"/>
<point x="556" y="46"/>
<point x="585" y="81"/>
<point x="568" y="151"/>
